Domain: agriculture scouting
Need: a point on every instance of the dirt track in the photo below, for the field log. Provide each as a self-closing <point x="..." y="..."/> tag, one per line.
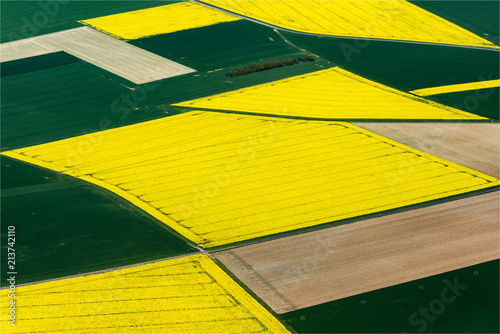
<point x="313" y="268"/>
<point x="473" y="145"/>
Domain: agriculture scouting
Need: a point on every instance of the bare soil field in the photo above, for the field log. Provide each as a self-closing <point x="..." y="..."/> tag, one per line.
<point x="342" y="261"/>
<point x="130" y="62"/>
<point x="473" y="145"/>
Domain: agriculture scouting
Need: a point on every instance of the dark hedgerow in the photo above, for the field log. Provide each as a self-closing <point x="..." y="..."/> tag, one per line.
<point x="268" y="65"/>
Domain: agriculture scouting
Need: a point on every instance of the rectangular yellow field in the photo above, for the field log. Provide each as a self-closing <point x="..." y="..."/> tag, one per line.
<point x="333" y="93"/>
<point x="158" y="20"/>
<point x="220" y="178"/>
<point x="457" y="88"/>
<point x="383" y="19"/>
<point x="186" y="295"/>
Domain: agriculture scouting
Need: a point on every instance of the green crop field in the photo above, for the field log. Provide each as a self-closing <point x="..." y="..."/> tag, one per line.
<point x="26" y="65"/>
<point x="25" y="19"/>
<point x="224" y="45"/>
<point x="57" y="234"/>
<point x="477" y="16"/>
<point x="483" y="102"/>
<point x="52" y="103"/>
<point x="404" y="66"/>
<point x="67" y="226"/>
<point x="57" y="96"/>
<point x="189" y="87"/>
<point x="396" y="309"/>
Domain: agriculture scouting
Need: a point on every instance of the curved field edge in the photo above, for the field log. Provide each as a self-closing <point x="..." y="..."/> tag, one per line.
<point x="57" y="234"/>
<point x="217" y="241"/>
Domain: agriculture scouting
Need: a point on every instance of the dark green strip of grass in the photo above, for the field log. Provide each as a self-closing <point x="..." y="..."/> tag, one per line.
<point x="478" y="16"/>
<point x="25" y="19"/>
<point x="26" y="65"/>
<point x="416" y="306"/>
<point x="482" y="102"/>
<point x="404" y="66"/>
<point x="77" y="228"/>
<point x="224" y="45"/>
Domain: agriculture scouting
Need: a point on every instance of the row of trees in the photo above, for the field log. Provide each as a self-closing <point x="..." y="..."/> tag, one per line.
<point x="268" y="65"/>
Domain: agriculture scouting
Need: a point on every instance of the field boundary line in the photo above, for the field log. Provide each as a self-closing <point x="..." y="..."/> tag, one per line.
<point x="260" y="280"/>
<point x="495" y="48"/>
<point x="457" y="88"/>
<point x="108" y="270"/>
<point x="99" y="49"/>
<point x="211" y="251"/>
<point x="353" y="220"/>
<point x="348" y="120"/>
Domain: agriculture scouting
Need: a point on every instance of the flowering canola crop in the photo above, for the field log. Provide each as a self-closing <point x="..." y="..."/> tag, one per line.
<point x="457" y="88"/>
<point x="332" y="93"/>
<point x="384" y="19"/>
<point x="186" y="295"/>
<point x="221" y="178"/>
<point x="158" y="20"/>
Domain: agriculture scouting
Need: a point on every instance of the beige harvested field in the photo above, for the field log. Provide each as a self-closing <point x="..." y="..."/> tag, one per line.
<point x="25" y="48"/>
<point x="320" y="266"/>
<point x="125" y="60"/>
<point x="473" y="145"/>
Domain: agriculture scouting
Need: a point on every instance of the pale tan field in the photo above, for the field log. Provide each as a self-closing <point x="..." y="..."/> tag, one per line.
<point x="125" y="60"/>
<point x="317" y="267"/>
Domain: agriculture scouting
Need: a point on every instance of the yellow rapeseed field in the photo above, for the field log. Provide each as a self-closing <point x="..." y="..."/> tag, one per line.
<point x="332" y="93"/>
<point x="158" y="20"/>
<point x="384" y="19"/>
<point x="186" y="295"/>
<point x="220" y="178"/>
<point x="457" y="88"/>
